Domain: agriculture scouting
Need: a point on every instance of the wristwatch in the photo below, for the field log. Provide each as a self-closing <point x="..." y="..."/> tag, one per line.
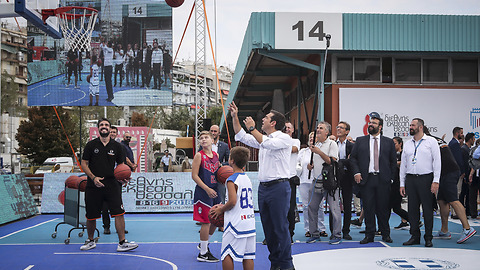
<point x="252" y="128"/>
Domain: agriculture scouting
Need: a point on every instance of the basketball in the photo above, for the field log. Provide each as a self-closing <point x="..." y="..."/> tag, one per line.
<point x="174" y="3"/>
<point x="82" y="183"/>
<point x="217" y="222"/>
<point x="88" y="78"/>
<point x="72" y="181"/>
<point x="61" y="197"/>
<point x="122" y="172"/>
<point x="223" y="173"/>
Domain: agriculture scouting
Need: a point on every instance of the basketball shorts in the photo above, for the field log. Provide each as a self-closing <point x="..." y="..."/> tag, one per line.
<point x="202" y="204"/>
<point x="95" y="197"/>
<point x="93" y="90"/>
<point x="447" y="190"/>
<point x="238" y="248"/>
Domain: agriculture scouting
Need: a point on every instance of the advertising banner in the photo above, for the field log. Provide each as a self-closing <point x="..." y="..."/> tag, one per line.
<point x="145" y="193"/>
<point x="441" y="109"/>
<point x="17" y="201"/>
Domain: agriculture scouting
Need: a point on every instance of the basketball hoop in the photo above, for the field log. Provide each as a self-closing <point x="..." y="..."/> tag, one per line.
<point x="76" y="23"/>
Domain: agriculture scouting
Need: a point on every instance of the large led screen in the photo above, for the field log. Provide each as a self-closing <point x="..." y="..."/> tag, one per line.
<point x="132" y="41"/>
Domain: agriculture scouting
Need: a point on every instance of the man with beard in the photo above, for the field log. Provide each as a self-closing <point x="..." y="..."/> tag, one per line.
<point x="419" y="178"/>
<point x="98" y="162"/>
<point x="456" y="149"/>
<point x="129" y="160"/>
<point x="373" y="161"/>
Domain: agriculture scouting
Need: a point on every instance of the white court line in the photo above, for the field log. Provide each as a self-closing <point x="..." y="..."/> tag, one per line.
<point x="29" y="267"/>
<point x="10" y="234"/>
<point x="174" y="267"/>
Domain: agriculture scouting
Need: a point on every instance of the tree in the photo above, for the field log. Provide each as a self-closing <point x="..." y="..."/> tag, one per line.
<point x="169" y="143"/>
<point x="215" y="113"/>
<point x="10" y="96"/>
<point x="42" y="136"/>
<point x="178" y="119"/>
<point x="139" y="120"/>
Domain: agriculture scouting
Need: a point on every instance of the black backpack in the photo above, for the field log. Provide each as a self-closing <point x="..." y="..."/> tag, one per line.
<point x="329" y="177"/>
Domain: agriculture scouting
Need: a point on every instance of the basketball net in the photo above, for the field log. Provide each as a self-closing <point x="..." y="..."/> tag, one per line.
<point x="77" y="25"/>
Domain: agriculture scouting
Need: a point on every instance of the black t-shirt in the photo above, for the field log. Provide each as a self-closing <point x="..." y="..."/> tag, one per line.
<point x="102" y="158"/>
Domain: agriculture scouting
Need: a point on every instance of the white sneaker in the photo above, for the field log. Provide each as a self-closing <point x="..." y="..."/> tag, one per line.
<point x="89" y="244"/>
<point x="126" y="246"/>
<point x="466" y="234"/>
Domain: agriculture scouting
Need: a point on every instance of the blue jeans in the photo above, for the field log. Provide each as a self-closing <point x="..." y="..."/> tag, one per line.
<point x="273" y="203"/>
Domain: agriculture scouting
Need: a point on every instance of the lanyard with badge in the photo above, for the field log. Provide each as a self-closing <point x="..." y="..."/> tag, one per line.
<point x="414" y="159"/>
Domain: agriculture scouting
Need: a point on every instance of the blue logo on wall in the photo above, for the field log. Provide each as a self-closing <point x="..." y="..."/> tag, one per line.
<point x="475" y="118"/>
<point x="416" y="263"/>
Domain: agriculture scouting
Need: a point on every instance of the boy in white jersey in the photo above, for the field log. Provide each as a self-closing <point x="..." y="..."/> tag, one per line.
<point x="238" y="243"/>
<point x="94" y="81"/>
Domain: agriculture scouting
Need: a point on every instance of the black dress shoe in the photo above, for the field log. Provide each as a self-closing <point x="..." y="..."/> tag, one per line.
<point x="387" y="239"/>
<point x="428" y="243"/>
<point x="366" y="240"/>
<point x="347" y="236"/>
<point x="412" y="241"/>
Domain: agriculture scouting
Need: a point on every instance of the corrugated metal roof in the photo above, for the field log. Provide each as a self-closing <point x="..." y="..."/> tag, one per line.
<point x="260" y="33"/>
<point x="408" y="32"/>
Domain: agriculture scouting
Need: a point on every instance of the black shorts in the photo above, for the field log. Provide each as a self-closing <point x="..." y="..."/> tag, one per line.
<point x="447" y="190"/>
<point x="111" y="194"/>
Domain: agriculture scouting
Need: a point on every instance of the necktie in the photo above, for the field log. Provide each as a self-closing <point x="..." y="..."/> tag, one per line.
<point x="375" y="154"/>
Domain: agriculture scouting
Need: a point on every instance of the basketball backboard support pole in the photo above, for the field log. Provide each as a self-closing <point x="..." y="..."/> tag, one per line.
<point x="32" y="11"/>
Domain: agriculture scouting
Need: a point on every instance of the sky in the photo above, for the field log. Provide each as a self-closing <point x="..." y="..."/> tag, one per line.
<point x="232" y="18"/>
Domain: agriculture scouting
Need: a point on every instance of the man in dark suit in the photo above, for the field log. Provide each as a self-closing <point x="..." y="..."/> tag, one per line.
<point x="455" y="147"/>
<point x="146" y="58"/>
<point x="345" y="175"/>
<point x="373" y="161"/>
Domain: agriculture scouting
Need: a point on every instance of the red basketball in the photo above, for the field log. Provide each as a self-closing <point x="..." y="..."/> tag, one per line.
<point x="217" y="222"/>
<point x="72" y="181"/>
<point x="223" y="173"/>
<point x="122" y="172"/>
<point x="61" y="197"/>
<point x="174" y="3"/>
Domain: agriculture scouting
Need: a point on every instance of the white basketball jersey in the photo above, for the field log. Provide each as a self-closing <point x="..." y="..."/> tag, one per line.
<point x="240" y="220"/>
<point x="94" y="80"/>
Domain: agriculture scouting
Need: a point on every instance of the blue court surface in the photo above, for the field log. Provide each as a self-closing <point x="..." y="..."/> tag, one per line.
<point x="55" y="92"/>
<point x="169" y="241"/>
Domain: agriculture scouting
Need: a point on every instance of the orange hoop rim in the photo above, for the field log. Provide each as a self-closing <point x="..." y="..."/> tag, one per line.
<point x="64" y="10"/>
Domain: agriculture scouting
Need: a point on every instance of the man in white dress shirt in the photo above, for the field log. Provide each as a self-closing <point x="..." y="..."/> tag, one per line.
<point x="273" y="173"/>
<point x="419" y="178"/>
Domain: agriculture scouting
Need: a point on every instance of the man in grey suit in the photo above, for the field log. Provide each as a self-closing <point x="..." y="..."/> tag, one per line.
<point x="373" y="161"/>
